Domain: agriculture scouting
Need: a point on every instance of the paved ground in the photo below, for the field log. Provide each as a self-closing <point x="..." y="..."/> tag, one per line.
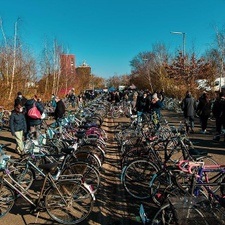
<point x="113" y="206"/>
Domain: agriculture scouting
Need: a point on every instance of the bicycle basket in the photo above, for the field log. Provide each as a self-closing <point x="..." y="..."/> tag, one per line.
<point x="189" y="210"/>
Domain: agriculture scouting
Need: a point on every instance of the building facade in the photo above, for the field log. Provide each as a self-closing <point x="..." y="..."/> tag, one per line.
<point x="67" y="65"/>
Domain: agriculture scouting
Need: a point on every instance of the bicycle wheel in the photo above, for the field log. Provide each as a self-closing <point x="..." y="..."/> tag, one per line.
<point x="212" y="176"/>
<point x="7" y="199"/>
<point x="167" y="215"/>
<point x="173" y="149"/>
<point x="94" y="149"/>
<point x="69" y="202"/>
<point x="22" y="174"/>
<point x="90" y="175"/>
<point x="160" y="187"/>
<point x="137" y="176"/>
<point x="86" y="156"/>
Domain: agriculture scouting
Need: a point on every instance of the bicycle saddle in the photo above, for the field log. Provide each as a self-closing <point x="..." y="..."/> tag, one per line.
<point x="49" y="167"/>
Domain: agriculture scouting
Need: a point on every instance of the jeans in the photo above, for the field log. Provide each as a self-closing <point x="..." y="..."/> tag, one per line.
<point x="189" y="121"/>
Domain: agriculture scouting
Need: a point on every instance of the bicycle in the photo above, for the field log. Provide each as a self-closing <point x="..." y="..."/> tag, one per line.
<point x="67" y="201"/>
<point x="69" y="161"/>
<point x="4" y="118"/>
<point x="197" y="207"/>
<point x="137" y="175"/>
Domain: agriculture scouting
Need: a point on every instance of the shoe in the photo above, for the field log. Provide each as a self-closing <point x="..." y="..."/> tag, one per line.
<point x="203" y="132"/>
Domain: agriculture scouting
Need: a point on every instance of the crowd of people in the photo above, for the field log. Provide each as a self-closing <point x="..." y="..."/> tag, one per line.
<point x="142" y="102"/>
<point x="204" y="107"/>
<point x="21" y="122"/>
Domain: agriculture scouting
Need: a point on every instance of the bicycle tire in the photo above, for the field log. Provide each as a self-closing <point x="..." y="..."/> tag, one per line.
<point x="95" y="149"/>
<point x="90" y="175"/>
<point x="24" y="175"/>
<point x="158" y="185"/>
<point x="72" y="204"/>
<point x="136" y="177"/>
<point x="87" y="156"/>
<point x="7" y="199"/>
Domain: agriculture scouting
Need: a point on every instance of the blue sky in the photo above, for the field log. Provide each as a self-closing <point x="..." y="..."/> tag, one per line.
<point x="108" y="34"/>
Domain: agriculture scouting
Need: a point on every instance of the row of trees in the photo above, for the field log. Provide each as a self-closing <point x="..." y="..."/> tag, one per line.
<point x="153" y="70"/>
<point x="21" y="71"/>
<point x="157" y="69"/>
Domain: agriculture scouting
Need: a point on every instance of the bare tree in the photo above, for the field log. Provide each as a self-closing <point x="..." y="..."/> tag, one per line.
<point x="220" y="38"/>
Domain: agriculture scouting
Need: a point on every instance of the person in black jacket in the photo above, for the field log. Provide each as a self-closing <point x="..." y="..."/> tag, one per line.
<point x="33" y="124"/>
<point x="189" y="106"/>
<point x="60" y="109"/>
<point x="204" y="111"/>
<point x="18" y="127"/>
<point x="142" y="105"/>
<point x="216" y="110"/>
<point x="20" y="99"/>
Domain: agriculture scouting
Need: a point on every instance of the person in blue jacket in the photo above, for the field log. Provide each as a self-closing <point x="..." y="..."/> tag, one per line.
<point x="18" y="127"/>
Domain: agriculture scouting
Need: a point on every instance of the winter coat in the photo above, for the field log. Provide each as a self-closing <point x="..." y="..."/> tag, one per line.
<point x="17" y="122"/>
<point x="143" y="104"/>
<point x="216" y="109"/>
<point x="204" y="106"/>
<point x="59" y="110"/>
<point x="156" y="107"/>
<point x="29" y="105"/>
<point x="188" y="106"/>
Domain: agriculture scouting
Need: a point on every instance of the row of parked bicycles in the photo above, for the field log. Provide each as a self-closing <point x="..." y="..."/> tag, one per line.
<point x="160" y="167"/>
<point x="64" y="159"/>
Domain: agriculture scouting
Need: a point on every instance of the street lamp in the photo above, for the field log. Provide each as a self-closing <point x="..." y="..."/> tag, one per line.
<point x="184" y="36"/>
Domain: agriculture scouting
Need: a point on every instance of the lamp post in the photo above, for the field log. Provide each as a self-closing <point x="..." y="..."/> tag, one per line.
<point x="184" y="37"/>
<point x="148" y="72"/>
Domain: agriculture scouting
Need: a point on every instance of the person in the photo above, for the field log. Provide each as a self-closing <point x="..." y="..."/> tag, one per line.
<point x="221" y="119"/>
<point x="155" y="105"/>
<point x="53" y="101"/>
<point x="204" y="111"/>
<point x="18" y="127"/>
<point x="20" y="99"/>
<point x="188" y="106"/>
<point x="33" y="124"/>
<point x="72" y="97"/>
<point x="216" y="110"/>
<point x="142" y="105"/>
<point x="80" y="100"/>
<point x="117" y="97"/>
<point x="60" y="109"/>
